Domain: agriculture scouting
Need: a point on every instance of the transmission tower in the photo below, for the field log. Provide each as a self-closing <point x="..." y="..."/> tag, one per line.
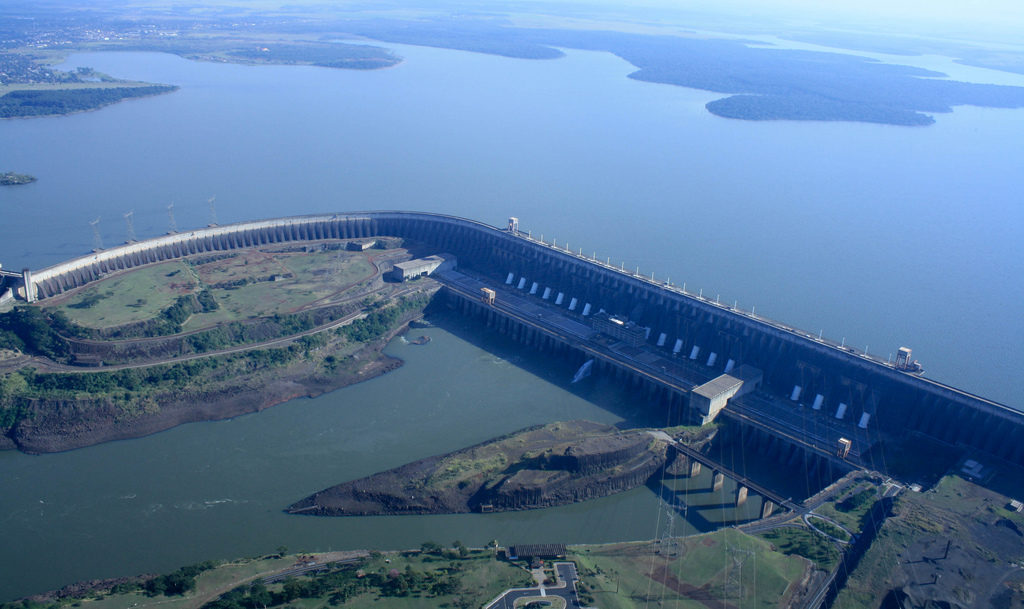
<point x="170" y="216"/>
<point x="97" y="242"/>
<point x="128" y="219"/>
<point x="213" y="210"/>
<point x="736" y="558"/>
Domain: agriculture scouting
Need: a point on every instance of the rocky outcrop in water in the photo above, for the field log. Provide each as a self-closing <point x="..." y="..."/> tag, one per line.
<point x="556" y="464"/>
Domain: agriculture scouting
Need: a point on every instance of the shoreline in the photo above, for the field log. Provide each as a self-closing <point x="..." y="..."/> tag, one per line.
<point x="172" y="89"/>
<point x="226" y="402"/>
<point x="541" y="466"/>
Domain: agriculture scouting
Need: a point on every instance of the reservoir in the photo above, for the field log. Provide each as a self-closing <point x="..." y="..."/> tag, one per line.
<point x="882" y="235"/>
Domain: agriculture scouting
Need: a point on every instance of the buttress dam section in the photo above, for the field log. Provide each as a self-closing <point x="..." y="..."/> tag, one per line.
<point x="839" y="381"/>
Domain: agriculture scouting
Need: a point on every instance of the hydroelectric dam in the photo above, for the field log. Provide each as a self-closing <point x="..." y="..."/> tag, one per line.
<point x="674" y="347"/>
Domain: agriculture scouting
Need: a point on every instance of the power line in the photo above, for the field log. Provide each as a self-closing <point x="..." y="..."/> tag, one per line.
<point x="97" y="241"/>
<point x="213" y="210"/>
<point x="128" y="218"/>
<point x="173" y="227"/>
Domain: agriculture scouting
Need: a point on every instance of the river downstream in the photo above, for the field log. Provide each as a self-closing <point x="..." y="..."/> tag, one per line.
<point x="208" y="490"/>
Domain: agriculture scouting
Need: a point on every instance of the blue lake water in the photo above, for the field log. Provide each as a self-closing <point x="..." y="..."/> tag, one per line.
<point x="882" y="235"/>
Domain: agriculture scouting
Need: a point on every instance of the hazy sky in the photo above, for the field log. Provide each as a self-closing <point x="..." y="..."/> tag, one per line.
<point x="983" y="12"/>
<point x="913" y="16"/>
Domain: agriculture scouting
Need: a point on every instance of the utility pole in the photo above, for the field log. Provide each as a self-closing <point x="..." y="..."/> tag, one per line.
<point x="213" y="210"/>
<point x="170" y="217"/>
<point x="97" y="241"/>
<point x="128" y="218"/>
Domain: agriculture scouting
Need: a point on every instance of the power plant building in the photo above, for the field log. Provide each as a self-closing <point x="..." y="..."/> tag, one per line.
<point x="709" y="399"/>
<point x="422" y="267"/>
<point x="626" y="331"/>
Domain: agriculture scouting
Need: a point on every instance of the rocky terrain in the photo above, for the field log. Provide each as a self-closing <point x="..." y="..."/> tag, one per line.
<point x="59" y="425"/>
<point x="537" y="467"/>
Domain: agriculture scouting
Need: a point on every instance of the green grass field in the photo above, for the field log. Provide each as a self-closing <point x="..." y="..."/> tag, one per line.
<point x="803" y="542"/>
<point x="129" y="297"/>
<point x="850" y="517"/>
<point x="302" y="279"/>
<point x="208" y="586"/>
<point x="724" y="566"/>
<point x="248" y="284"/>
<point x="480" y="577"/>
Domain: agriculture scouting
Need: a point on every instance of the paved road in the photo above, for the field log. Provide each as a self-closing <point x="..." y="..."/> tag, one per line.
<point x="566" y="590"/>
<point x="815" y="430"/>
<point x="547" y="318"/>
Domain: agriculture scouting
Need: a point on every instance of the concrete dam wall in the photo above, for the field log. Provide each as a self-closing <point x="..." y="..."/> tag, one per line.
<point x="681" y="323"/>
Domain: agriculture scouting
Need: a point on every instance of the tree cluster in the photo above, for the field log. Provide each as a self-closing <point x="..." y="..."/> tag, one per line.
<point x="63" y="101"/>
<point x="339" y="586"/>
<point x="179" y="582"/>
<point x="856" y="500"/>
<point x="33" y="331"/>
<point x="27" y="383"/>
<point x="378" y="322"/>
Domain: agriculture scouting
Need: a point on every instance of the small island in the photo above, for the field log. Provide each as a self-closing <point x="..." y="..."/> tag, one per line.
<point x="13" y="179"/>
<point x="537" y="467"/>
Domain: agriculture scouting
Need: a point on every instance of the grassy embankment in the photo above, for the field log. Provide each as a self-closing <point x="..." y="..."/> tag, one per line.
<point x="852" y="507"/>
<point x="799" y="541"/>
<point x="139" y="391"/>
<point x="243" y="283"/>
<point x="399" y="580"/>
<point x="725" y="566"/>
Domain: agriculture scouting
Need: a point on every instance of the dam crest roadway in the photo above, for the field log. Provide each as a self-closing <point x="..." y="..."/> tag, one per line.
<point x="548" y="297"/>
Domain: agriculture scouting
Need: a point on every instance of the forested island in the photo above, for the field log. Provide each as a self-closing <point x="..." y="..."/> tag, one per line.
<point x="13" y="179"/>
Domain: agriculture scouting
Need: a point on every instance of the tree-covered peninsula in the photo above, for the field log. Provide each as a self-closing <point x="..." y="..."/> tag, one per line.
<point x="51" y="102"/>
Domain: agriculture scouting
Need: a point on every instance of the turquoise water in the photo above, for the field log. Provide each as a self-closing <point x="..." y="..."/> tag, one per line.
<point x="885" y="236"/>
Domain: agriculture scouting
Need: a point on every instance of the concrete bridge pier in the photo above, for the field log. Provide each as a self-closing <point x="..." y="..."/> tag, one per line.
<point x="741" y="495"/>
<point x="767" y="507"/>
<point x="717" y="480"/>
<point x="694" y="469"/>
